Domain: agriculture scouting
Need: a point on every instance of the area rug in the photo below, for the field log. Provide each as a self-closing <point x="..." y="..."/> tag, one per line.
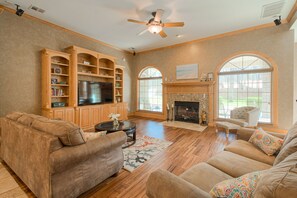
<point x="143" y="150"/>
<point x="184" y="125"/>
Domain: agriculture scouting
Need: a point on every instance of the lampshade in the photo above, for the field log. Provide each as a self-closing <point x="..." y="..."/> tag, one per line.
<point x="155" y="29"/>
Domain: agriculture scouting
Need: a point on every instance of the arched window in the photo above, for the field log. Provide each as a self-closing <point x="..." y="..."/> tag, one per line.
<point x="150" y="90"/>
<point x="246" y="81"/>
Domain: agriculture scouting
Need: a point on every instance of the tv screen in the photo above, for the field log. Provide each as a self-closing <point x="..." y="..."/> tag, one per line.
<point x="94" y="92"/>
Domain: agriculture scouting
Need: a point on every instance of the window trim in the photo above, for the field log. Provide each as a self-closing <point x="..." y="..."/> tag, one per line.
<point x="138" y="87"/>
<point x="274" y="83"/>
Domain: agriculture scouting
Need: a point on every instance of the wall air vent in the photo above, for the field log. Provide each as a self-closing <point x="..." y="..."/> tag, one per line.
<point x="272" y="9"/>
<point x="37" y="9"/>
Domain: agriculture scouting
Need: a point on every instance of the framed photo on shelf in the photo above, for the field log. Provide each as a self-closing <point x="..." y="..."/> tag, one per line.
<point x="210" y="76"/>
<point x="189" y="71"/>
<point x="58" y="70"/>
<point x="54" y="81"/>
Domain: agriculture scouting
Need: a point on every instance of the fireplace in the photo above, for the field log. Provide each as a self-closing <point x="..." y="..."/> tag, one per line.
<point x="186" y="111"/>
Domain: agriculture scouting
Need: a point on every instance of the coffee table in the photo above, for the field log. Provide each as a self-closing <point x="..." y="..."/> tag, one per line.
<point x="127" y="126"/>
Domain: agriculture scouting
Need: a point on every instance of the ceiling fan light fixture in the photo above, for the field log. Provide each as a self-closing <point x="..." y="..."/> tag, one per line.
<point x="155" y="29"/>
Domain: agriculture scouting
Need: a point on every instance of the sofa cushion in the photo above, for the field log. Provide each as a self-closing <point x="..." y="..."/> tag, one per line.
<point x="14" y="115"/>
<point x="290" y="148"/>
<point x="280" y="180"/>
<point x="248" y="150"/>
<point x="242" y="187"/>
<point x="236" y="165"/>
<point x="269" y="144"/>
<point x="70" y="134"/>
<point x="240" y="122"/>
<point x="292" y="134"/>
<point x="93" y="135"/>
<point x="27" y="119"/>
<point x="204" y="176"/>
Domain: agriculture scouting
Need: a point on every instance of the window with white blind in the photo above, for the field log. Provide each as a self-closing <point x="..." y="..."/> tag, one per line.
<point x="150" y="90"/>
<point x="246" y="81"/>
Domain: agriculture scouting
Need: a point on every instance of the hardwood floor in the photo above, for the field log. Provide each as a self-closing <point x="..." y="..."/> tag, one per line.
<point x="188" y="148"/>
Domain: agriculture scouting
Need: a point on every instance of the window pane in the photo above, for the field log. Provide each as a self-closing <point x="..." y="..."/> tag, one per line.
<point x="249" y="89"/>
<point x="150" y="91"/>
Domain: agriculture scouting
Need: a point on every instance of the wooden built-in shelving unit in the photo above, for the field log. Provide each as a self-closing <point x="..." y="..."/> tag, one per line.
<point x="61" y="73"/>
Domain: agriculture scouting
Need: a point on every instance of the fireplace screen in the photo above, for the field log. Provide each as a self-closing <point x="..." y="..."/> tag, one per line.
<point x="186" y="111"/>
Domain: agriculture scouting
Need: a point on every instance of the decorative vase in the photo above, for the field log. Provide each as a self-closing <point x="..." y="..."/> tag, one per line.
<point x="116" y="123"/>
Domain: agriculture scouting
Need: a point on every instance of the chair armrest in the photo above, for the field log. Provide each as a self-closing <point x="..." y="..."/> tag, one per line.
<point x="70" y="156"/>
<point x="246" y="133"/>
<point x="253" y="117"/>
<point x="163" y="184"/>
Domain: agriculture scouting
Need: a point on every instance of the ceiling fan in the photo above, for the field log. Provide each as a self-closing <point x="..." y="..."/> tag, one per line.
<point x="155" y="25"/>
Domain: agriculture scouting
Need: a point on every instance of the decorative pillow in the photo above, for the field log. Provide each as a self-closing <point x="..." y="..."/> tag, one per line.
<point x="242" y="187"/>
<point x="269" y="144"/>
<point x="93" y="135"/>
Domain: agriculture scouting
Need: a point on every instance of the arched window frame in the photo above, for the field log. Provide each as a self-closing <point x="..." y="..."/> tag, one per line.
<point x="140" y="77"/>
<point x="274" y="84"/>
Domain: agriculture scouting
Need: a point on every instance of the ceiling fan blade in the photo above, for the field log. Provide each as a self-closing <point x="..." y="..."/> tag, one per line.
<point x="158" y="15"/>
<point x="142" y="32"/>
<point x="135" y="21"/>
<point x="173" y="24"/>
<point x="163" y="34"/>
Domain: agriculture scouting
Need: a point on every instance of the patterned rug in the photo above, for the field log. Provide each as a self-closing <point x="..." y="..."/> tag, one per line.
<point x="144" y="149"/>
<point x="184" y="125"/>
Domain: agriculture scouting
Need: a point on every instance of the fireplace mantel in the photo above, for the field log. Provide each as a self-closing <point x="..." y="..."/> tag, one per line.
<point x="188" y="89"/>
<point x="189" y="83"/>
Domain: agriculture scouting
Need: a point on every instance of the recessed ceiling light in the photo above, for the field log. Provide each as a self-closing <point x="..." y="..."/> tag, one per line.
<point x="179" y="36"/>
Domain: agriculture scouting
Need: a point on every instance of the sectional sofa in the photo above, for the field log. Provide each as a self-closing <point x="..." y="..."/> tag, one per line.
<point x="238" y="158"/>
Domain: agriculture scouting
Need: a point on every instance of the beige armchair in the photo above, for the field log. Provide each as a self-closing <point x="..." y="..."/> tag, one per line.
<point x="245" y="116"/>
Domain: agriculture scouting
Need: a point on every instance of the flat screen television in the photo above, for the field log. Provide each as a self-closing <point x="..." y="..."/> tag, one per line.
<point x="90" y="93"/>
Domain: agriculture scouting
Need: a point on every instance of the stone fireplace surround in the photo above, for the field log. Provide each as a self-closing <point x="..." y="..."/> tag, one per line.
<point x="191" y="91"/>
<point x="202" y="99"/>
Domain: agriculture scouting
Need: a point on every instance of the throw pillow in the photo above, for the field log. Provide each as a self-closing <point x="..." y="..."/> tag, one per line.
<point x="242" y="187"/>
<point x="269" y="144"/>
<point x="93" y="135"/>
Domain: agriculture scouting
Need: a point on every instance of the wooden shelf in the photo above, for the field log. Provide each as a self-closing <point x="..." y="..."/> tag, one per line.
<point x="86" y="65"/>
<point x="118" y="73"/>
<point x="105" y="76"/>
<point x="106" y="68"/>
<point x="66" y="96"/>
<point x="119" y="80"/>
<point x="118" y="95"/>
<point x="87" y="74"/>
<point x="60" y="85"/>
<point x="55" y="74"/>
<point x="60" y="64"/>
<point x="118" y="87"/>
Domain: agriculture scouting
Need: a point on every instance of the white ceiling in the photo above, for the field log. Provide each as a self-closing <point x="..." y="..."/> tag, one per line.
<point x="107" y="20"/>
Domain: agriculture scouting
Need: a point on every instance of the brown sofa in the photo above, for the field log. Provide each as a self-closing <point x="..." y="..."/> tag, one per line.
<point x="238" y="158"/>
<point x="53" y="158"/>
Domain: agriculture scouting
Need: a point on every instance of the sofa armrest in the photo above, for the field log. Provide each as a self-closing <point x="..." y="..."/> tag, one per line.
<point x="70" y="156"/>
<point x="246" y="133"/>
<point x="163" y="184"/>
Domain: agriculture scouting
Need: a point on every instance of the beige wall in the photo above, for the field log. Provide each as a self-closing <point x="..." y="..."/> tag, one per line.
<point x="21" y="41"/>
<point x="276" y="42"/>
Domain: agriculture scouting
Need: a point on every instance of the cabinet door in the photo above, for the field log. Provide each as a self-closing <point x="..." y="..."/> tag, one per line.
<point x="96" y="115"/>
<point x="106" y="110"/>
<point x="69" y="115"/>
<point x="59" y="114"/>
<point x="85" y="118"/>
<point x="122" y="110"/>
